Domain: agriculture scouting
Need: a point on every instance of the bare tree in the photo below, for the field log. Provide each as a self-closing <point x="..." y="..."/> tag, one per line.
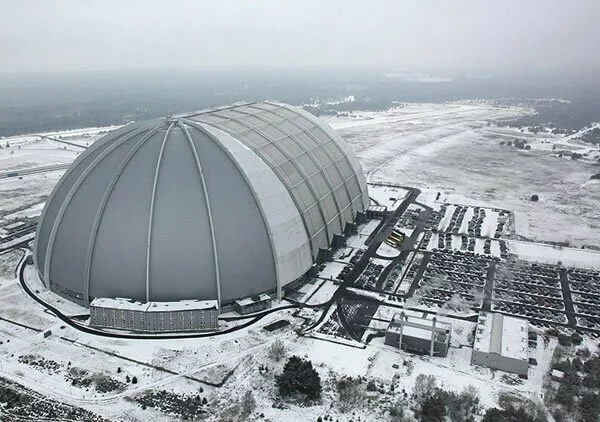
<point x="277" y="350"/>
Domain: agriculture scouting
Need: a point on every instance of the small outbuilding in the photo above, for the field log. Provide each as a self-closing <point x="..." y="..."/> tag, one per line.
<point x="253" y="304"/>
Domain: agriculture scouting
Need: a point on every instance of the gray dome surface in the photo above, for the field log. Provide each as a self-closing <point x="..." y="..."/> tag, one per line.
<point x="222" y="205"/>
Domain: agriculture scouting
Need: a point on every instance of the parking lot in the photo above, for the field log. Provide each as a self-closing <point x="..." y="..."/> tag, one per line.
<point x="585" y="292"/>
<point x="450" y="273"/>
<point x="471" y="221"/>
<point x="368" y="278"/>
<point x="402" y="275"/>
<point x="529" y="290"/>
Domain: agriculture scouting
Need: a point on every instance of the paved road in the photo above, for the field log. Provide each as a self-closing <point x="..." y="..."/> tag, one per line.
<point x="62" y="142"/>
<point x="567" y="298"/>
<point x="33" y="170"/>
<point x="489" y="287"/>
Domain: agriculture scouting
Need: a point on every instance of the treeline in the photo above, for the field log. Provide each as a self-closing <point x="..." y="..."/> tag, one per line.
<point x="561" y="117"/>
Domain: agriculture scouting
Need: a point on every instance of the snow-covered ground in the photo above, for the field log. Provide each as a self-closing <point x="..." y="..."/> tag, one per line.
<point x="450" y="148"/>
<point x="549" y="254"/>
<point x="387" y="196"/>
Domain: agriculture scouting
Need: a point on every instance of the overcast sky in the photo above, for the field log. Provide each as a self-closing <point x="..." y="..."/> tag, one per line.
<point x="73" y="35"/>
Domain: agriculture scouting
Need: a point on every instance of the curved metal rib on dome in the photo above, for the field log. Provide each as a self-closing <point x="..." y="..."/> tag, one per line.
<point x="329" y="156"/>
<point x="57" y="222"/>
<point x="78" y="161"/>
<point x="310" y="154"/>
<point x="152" y="202"/>
<point x="220" y="142"/>
<point x="102" y="207"/>
<point x="211" y="223"/>
<point x="266" y="128"/>
<point x="304" y="179"/>
<point x="349" y="156"/>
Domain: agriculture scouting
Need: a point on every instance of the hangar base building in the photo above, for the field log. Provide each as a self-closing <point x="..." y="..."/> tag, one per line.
<point x="220" y="205"/>
<point x="154" y="317"/>
<point x="501" y="342"/>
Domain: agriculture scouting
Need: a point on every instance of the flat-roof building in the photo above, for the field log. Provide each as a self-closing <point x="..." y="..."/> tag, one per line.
<point x="154" y="317"/>
<point x="253" y="304"/>
<point x="418" y="335"/>
<point x="501" y="343"/>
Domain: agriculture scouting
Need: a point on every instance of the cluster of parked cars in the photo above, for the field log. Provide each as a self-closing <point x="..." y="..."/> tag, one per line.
<point x="529" y="290"/>
<point x="448" y="273"/>
<point x="527" y="311"/>
<point x="456" y="219"/>
<point x="502" y="219"/>
<point x="368" y="278"/>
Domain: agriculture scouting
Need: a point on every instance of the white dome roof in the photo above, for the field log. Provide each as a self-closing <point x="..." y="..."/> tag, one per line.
<point x="221" y="205"/>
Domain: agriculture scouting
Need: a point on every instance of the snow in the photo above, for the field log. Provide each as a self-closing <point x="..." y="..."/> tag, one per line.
<point x="544" y="253"/>
<point x="357" y="241"/>
<point x="439" y="148"/>
<point x="419" y="327"/>
<point x="30" y="212"/>
<point x="436" y="147"/>
<point x="128" y="304"/>
<point x="388" y="196"/>
<point x="387" y="251"/>
<point x="502" y="334"/>
<point x="331" y="270"/>
<point x="247" y="301"/>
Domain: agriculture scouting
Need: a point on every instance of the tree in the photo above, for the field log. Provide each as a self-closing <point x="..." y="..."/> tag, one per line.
<point x="510" y="414"/>
<point x="424" y="388"/>
<point x="299" y="376"/>
<point x="277" y="350"/>
<point x="349" y="393"/>
<point x="464" y="406"/>
<point x="248" y="403"/>
<point x="535" y="197"/>
<point x="433" y="408"/>
<point x="589" y="407"/>
<point x="134" y="380"/>
<point x="565" y="395"/>
<point x="576" y="338"/>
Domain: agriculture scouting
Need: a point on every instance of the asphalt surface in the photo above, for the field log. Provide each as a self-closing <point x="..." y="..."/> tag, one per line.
<point x="33" y="170"/>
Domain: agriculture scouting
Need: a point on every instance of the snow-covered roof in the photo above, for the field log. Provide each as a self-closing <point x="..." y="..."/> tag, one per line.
<point x="248" y="301"/>
<point x="119" y="303"/>
<point x="503" y="335"/>
<point x="417" y="327"/>
<point x="130" y="305"/>
<point x="557" y="374"/>
<point x="182" y="305"/>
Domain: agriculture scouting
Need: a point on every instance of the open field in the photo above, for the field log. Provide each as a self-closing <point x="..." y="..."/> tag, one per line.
<point x="450" y="148"/>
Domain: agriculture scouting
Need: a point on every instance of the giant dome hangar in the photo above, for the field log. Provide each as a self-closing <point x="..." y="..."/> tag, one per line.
<point x="218" y="205"/>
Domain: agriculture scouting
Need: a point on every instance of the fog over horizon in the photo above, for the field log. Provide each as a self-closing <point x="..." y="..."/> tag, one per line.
<point x="410" y="35"/>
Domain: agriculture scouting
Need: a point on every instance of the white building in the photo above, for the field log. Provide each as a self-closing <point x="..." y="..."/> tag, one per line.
<point x="501" y="343"/>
